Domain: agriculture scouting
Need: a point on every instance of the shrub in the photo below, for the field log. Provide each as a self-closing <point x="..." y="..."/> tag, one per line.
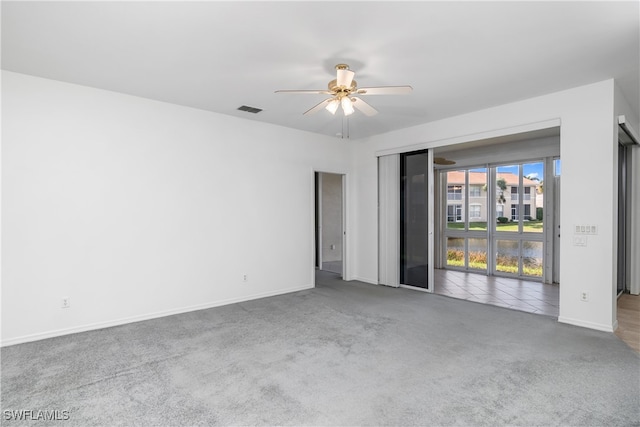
<point x="455" y="255"/>
<point x="503" y="219"/>
<point x="478" y="257"/>
<point x="539" y="213"/>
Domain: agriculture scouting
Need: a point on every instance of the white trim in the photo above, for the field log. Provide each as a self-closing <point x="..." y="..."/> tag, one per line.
<point x="622" y="122"/>
<point x="530" y="127"/>
<point x="346" y="271"/>
<point x="590" y="325"/>
<point x="318" y="212"/>
<point x="430" y="222"/>
<point x="364" y="280"/>
<point x="416" y="288"/>
<point x="345" y="246"/>
<point x="150" y="316"/>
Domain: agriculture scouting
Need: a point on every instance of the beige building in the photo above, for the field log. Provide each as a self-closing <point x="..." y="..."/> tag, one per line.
<point x="507" y="200"/>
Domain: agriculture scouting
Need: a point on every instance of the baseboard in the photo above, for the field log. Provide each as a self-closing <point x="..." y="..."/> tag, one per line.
<point x="590" y="325"/>
<point x="362" y="279"/>
<point x="140" y="318"/>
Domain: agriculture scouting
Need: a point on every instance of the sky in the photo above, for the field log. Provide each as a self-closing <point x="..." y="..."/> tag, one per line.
<point x="531" y="170"/>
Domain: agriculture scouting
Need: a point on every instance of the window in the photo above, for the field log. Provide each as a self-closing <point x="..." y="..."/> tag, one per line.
<point x="527" y="193"/>
<point x="514" y="212"/>
<point x="475" y="211"/>
<point x="475" y="191"/>
<point x="527" y="212"/>
<point x="454" y="192"/>
<point x="454" y="213"/>
<point x="499" y="211"/>
<point x="514" y="194"/>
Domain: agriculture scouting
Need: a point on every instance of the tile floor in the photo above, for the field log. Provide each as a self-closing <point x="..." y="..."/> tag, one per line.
<point x="523" y="295"/>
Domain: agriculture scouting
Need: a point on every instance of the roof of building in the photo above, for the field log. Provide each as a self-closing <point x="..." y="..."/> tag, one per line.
<point x="475" y="178"/>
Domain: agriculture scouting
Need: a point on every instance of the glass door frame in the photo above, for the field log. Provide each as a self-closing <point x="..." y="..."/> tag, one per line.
<point x="466" y="234"/>
<point x="520" y="236"/>
<point x="429" y="239"/>
<point x="492" y="235"/>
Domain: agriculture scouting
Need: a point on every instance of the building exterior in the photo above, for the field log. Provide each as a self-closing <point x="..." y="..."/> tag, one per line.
<point x="507" y="200"/>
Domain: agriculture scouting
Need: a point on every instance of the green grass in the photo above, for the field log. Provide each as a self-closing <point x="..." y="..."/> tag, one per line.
<point x="474" y="265"/>
<point x="527" y="226"/>
<point x="505" y="264"/>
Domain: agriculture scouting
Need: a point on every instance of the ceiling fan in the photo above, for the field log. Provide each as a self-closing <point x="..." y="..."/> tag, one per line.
<point x="443" y="161"/>
<point x="343" y="90"/>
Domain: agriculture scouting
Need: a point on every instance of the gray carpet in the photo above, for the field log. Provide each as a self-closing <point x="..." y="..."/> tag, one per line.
<point x="340" y="354"/>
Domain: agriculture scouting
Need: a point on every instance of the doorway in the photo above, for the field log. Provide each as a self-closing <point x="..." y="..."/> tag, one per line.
<point x="624" y="210"/>
<point x="497" y="213"/>
<point x="329" y="222"/>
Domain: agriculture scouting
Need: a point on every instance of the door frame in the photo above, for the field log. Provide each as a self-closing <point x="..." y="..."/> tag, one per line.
<point x="549" y="251"/>
<point x="316" y="209"/>
<point x="430" y="226"/>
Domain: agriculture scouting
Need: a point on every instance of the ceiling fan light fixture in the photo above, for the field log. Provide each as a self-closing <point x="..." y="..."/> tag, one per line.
<point x="332" y="106"/>
<point x="347" y="106"/>
<point x="344" y="76"/>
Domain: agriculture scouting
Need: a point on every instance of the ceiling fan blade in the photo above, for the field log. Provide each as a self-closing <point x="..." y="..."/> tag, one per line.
<point x="367" y="109"/>
<point x="345" y="77"/>
<point x="384" y="90"/>
<point x="318" y="107"/>
<point x="319" y="91"/>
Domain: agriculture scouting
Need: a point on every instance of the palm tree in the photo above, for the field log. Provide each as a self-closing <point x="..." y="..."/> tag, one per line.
<point x="501" y="183"/>
<point x="501" y="186"/>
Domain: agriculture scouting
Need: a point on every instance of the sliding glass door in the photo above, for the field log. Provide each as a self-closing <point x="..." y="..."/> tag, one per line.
<point x="519" y="237"/>
<point x="493" y="219"/>
<point x="414" y="219"/>
<point x="466" y="231"/>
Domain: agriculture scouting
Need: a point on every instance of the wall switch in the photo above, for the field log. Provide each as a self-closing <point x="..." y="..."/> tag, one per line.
<point x="586" y="229"/>
<point x="584" y="296"/>
<point x="65" y="302"/>
<point x="333" y="247"/>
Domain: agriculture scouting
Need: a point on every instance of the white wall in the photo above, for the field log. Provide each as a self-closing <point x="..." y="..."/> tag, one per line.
<point x="587" y="147"/>
<point x="134" y="208"/>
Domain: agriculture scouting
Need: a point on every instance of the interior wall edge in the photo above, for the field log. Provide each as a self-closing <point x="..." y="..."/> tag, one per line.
<point x="591" y="325"/>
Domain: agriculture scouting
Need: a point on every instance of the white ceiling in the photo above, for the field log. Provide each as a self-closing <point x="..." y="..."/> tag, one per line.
<point x="458" y="56"/>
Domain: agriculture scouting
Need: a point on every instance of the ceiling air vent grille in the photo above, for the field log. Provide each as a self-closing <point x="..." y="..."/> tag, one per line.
<point x="250" y="109"/>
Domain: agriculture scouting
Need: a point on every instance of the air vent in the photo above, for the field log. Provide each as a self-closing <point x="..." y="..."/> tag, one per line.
<point x="250" y="109"/>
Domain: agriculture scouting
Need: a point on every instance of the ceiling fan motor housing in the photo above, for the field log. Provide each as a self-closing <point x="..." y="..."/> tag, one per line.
<point x="337" y="90"/>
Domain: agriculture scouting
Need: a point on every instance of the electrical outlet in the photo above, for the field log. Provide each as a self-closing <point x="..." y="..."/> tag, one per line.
<point x="584" y="296"/>
<point x="579" y="240"/>
<point x="245" y="277"/>
<point x="65" y="302"/>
